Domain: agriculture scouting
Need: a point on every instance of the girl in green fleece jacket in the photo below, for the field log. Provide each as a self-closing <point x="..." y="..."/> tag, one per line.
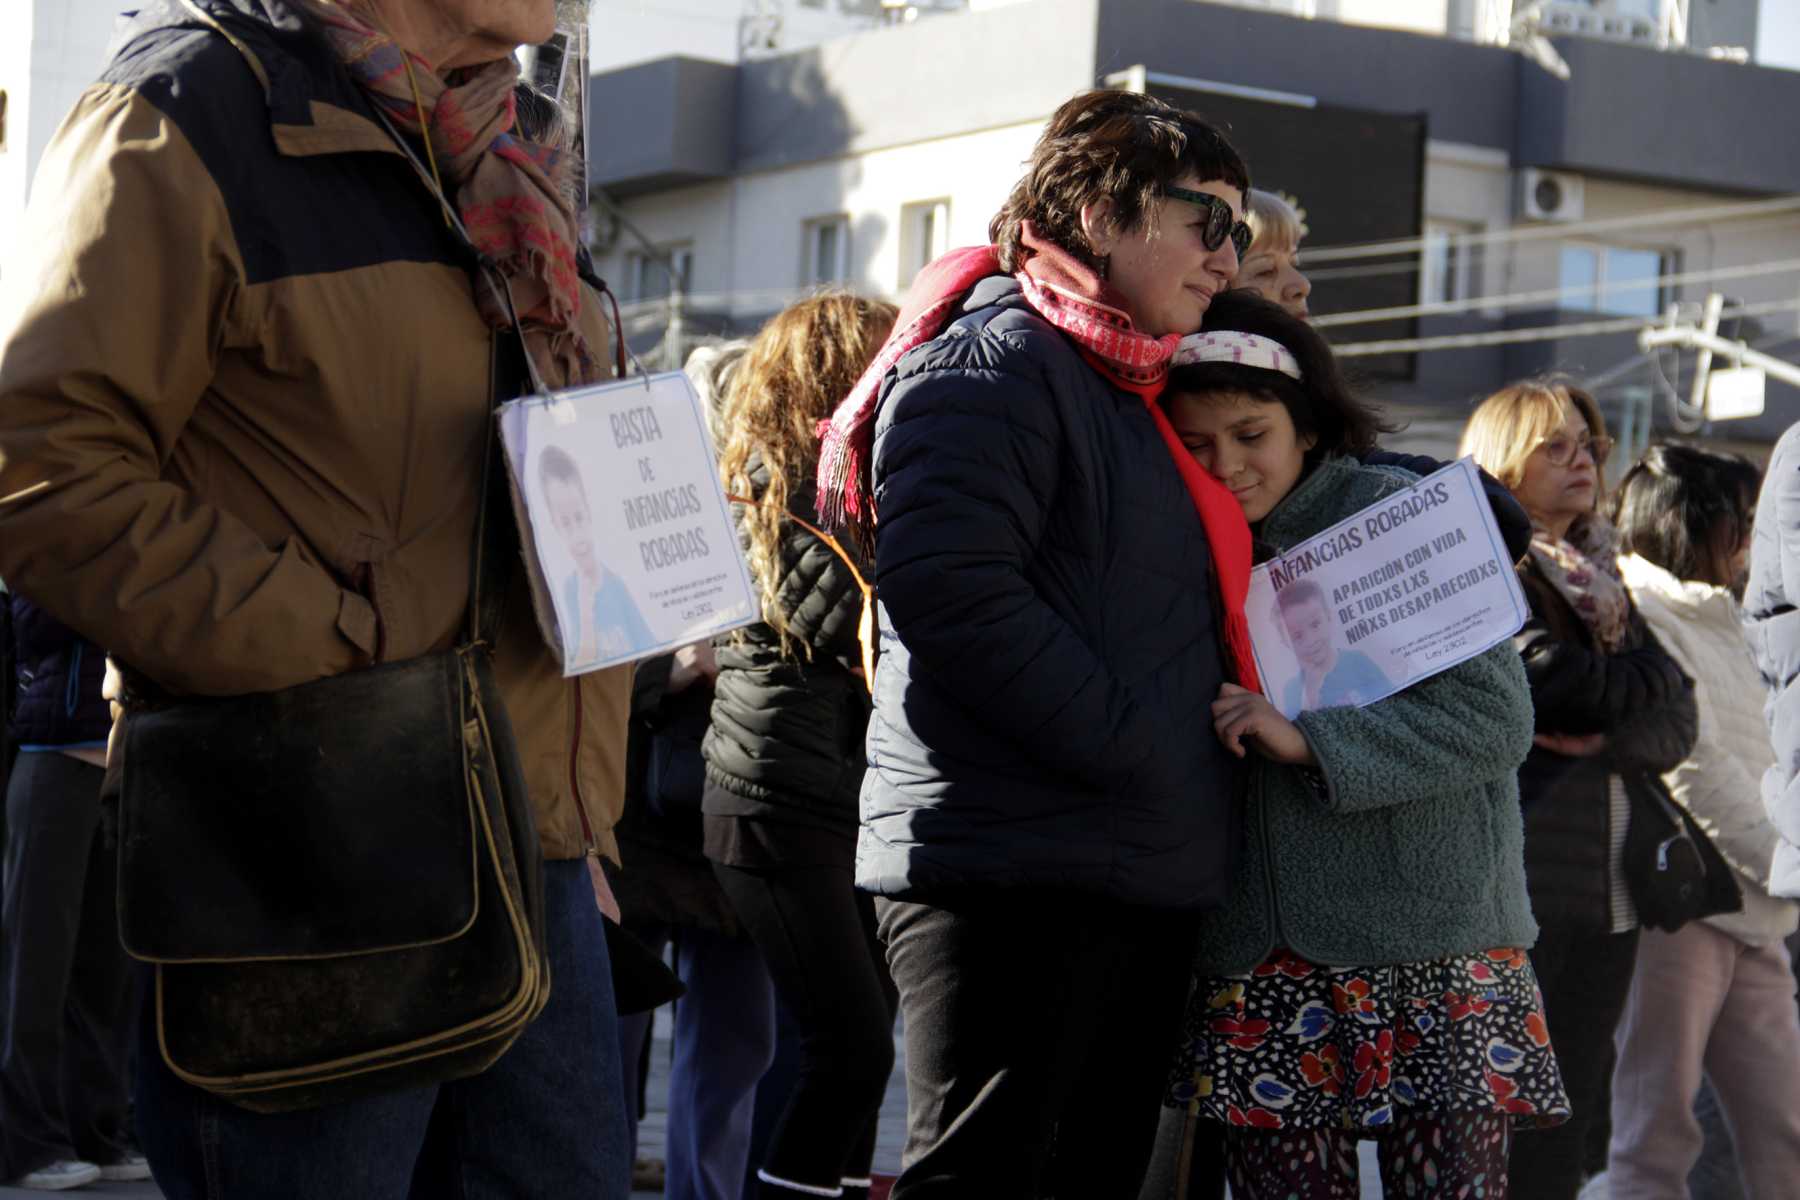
<point x="1368" y="976"/>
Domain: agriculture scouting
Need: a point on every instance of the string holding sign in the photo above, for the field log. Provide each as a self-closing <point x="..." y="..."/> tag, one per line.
<point x="865" y="625"/>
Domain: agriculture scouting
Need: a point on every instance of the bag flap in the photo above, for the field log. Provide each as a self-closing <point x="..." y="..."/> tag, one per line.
<point x="1675" y="873"/>
<point x="327" y="819"/>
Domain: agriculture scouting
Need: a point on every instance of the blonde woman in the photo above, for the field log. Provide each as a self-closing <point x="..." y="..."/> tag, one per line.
<point x="1271" y="267"/>
<point x="1607" y="699"/>
<point x="784" y="753"/>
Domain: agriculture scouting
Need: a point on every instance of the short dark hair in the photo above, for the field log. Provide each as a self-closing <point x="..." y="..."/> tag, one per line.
<point x="1320" y="403"/>
<point x="556" y="465"/>
<point x="1301" y="591"/>
<point x="1108" y="144"/>
<point x="1684" y="508"/>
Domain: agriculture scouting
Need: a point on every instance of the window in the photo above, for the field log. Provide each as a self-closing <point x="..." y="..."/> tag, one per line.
<point x="1450" y="266"/>
<point x="825" y="250"/>
<point x="647" y="273"/>
<point x="1613" y="279"/>
<point x="924" y="235"/>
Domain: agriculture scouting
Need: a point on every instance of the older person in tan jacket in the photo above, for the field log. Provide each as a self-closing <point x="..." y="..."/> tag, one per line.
<point x="244" y="395"/>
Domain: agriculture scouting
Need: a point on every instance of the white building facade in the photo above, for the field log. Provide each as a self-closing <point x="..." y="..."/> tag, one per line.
<point x="52" y="50"/>
<point x="855" y="162"/>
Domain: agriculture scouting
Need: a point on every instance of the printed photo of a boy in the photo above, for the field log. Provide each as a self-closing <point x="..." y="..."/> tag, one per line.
<point x="1329" y="677"/>
<point x="602" y="621"/>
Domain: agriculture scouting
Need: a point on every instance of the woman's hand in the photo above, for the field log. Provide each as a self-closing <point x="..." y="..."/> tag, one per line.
<point x="693" y="663"/>
<point x="1570" y="745"/>
<point x="1240" y="716"/>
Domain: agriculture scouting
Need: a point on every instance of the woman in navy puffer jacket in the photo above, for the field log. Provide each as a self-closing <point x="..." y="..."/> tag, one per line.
<point x="1045" y="807"/>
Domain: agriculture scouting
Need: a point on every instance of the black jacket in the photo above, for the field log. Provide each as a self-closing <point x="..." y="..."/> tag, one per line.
<point x="58" y="702"/>
<point x="786" y="741"/>
<point x="665" y="879"/>
<point x="1050" y="649"/>
<point x="1639" y="699"/>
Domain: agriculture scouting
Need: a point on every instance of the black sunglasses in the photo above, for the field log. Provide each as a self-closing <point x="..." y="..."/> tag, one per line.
<point x="1219" y="222"/>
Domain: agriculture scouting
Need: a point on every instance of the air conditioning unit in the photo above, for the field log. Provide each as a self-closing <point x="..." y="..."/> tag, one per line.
<point x="1602" y="20"/>
<point x="1550" y="195"/>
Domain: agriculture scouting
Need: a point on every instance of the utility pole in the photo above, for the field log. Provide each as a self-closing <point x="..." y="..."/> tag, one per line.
<point x="1742" y="395"/>
<point x="1709" y="343"/>
<point x="1709" y="328"/>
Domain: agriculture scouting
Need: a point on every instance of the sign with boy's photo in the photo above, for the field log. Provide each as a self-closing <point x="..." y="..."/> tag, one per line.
<point x="627" y="535"/>
<point x="1404" y="589"/>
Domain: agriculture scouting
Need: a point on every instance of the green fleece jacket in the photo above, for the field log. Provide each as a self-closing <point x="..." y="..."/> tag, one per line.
<point x="1414" y="850"/>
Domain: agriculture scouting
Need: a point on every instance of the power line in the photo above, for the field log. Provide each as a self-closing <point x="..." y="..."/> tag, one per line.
<point x="1500" y="337"/>
<point x="1528" y="233"/>
<point x="1526" y="299"/>
<point x="1538" y="333"/>
<point x="1413" y="264"/>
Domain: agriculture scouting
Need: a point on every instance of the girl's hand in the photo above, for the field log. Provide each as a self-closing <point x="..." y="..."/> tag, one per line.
<point x="1571" y="745"/>
<point x="1241" y="716"/>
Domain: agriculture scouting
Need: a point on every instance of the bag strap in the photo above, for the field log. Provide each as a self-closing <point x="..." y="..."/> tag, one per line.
<point x="865" y="625"/>
<point x="510" y="365"/>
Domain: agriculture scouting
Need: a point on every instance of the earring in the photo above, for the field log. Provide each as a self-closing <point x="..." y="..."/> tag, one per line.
<point x="1105" y="265"/>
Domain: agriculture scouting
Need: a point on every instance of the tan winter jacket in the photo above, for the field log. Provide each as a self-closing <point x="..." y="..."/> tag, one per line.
<point x="244" y="392"/>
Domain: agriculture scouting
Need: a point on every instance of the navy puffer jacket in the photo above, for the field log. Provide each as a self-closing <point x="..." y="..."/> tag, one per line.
<point x="58" y="703"/>
<point x="1049" y="645"/>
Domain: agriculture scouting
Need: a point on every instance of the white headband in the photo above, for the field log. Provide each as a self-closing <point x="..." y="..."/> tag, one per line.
<point x="1233" y="346"/>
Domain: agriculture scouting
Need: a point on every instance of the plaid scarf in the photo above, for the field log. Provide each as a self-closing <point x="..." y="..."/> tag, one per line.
<point x="1072" y="297"/>
<point x="512" y="194"/>
<point x="1584" y="568"/>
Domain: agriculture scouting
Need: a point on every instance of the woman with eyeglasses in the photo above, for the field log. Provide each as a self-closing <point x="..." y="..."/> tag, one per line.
<point x="1271" y="266"/>
<point x="1061" y="596"/>
<point x="1608" y="699"/>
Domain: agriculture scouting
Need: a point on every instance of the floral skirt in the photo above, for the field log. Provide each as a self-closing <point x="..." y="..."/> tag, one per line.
<point x="1292" y="1044"/>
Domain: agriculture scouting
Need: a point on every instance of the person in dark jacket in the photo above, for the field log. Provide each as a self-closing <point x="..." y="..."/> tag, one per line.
<point x="1608" y="699"/>
<point x="65" y="986"/>
<point x="1061" y="592"/>
<point x="724" y="1025"/>
<point x="784" y="752"/>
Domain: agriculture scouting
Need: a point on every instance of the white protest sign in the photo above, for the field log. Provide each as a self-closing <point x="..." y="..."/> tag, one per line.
<point x="627" y="534"/>
<point x="1408" y="587"/>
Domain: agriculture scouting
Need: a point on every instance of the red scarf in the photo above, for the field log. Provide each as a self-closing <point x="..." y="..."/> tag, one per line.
<point x="1072" y="297"/>
<point x="513" y="195"/>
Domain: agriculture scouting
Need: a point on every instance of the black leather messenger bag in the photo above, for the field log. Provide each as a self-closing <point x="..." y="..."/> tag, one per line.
<point x="339" y="884"/>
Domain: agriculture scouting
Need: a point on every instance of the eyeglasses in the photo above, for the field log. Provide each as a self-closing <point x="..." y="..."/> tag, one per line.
<point x="1561" y="449"/>
<point x="1219" y="220"/>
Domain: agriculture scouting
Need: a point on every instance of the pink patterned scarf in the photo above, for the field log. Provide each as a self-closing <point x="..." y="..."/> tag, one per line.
<point x="512" y="194"/>
<point x="1584" y="568"/>
<point x="1071" y="296"/>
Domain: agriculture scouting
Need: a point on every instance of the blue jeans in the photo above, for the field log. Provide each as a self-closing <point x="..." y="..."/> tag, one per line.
<point x="545" y="1122"/>
<point x="724" y="1039"/>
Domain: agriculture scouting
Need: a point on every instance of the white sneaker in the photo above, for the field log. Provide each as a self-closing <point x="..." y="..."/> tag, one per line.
<point x="131" y="1167"/>
<point x="60" y="1176"/>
